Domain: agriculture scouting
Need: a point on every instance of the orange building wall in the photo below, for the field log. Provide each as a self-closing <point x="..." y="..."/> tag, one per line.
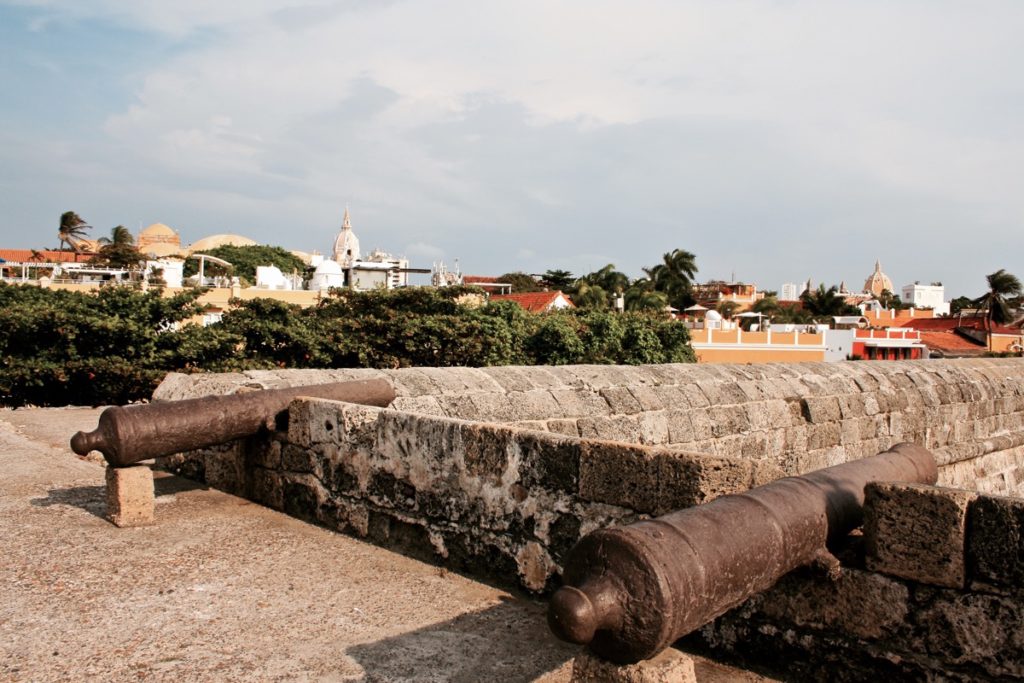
<point x="739" y="354"/>
<point x="897" y="318"/>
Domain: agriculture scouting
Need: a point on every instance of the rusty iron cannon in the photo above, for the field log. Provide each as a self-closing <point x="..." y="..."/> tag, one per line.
<point x="630" y="592"/>
<point x="129" y="434"/>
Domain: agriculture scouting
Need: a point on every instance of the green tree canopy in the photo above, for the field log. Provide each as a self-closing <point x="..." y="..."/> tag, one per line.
<point x="558" y="279"/>
<point x="521" y="282"/>
<point x="245" y="260"/>
<point x="118" y="250"/>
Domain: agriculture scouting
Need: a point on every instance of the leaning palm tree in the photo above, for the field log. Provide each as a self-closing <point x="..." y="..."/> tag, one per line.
<point x="1001" y="287"/>
<point x="72" y="230"/>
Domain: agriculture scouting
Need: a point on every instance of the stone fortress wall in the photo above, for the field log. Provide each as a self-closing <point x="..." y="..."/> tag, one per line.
<point x="499" y="471"/>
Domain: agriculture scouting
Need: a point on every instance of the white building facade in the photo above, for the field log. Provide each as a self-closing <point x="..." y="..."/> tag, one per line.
<point x="926" y="296"/>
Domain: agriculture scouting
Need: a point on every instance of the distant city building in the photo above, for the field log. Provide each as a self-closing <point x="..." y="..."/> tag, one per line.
<point x="715" y="292"/>
<point x="440" y="276"/>
<point x="490" y="284"/>
<point x="926" y="296"/>
<point x="791" y="291"/>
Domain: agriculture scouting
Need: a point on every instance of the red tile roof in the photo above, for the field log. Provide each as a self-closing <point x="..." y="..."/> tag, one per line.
<point x="534" y="302"/>
<point x="479" y="279"/>
<point x="952" y="323"/>
<point x="952" y="344"/>
<point x="48" y="255"/>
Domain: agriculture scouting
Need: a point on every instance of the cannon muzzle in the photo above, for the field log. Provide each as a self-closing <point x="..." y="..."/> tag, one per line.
<point x="629" y="592"/>
<point x="128" y="434"/>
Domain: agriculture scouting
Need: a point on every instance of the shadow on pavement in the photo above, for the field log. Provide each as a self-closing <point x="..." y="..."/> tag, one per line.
<point x="92" y="499"/>
<point x="508" y="642"/>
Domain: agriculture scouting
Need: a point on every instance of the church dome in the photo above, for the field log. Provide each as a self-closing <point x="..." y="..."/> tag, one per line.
<point x="878" y="281"/>
<point x="346" y="244"/>
<point x="157" y="230"/>
<point x="214" y="241"/>
<point x="159" y="240"/>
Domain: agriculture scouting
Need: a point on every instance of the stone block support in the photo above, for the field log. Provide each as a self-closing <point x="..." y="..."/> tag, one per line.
<point x="671" y="666"/>
<point x="917" y="532"/>
<point x="130" y="496"/>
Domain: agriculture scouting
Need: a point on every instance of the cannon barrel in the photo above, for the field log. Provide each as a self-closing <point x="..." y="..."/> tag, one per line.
<point x="128" y="434"/>
<point x="629" y="592"/>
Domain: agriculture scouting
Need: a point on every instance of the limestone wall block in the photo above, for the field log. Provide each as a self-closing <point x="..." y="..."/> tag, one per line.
<point x="619" y="474"/>
<point x="823" y="435"/>
<point x="567" y="427"/>
<point x="424" y="405"/>
<point x="981" y="632"/>
<point x="621" y="400"/>
<point x="580" y="403"/>
<point x="727" y="420"/>
<point x="995" y="550"/>
<point x="860" y="603"/>
<point x="917" y="532"/>
<point x="649" y="398"/>
<point x="653" y="426"/>
<point x="622" y="428"/>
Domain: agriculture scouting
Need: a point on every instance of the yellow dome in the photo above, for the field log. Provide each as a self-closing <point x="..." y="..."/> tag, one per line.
<point x="161" y="249"/>
<point x="157" y="230"/>
<point x="159" y="240"/>
<point x="214" y="241"/>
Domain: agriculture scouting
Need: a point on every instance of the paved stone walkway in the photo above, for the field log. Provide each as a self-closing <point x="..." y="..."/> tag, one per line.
<point x="221" y="589"/>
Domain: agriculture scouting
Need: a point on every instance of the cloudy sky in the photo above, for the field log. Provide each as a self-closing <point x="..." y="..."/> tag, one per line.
<point x="777" y="140"/>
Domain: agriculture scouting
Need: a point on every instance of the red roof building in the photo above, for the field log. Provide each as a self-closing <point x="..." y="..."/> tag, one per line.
<point x="488" y="283"/>
<point x="45" y="256"/>
<point x="956" y="337"/>
<point x="538" y="302"/>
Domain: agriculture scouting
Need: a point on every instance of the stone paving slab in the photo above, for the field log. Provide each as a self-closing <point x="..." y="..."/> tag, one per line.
<point x="222" y="589"/>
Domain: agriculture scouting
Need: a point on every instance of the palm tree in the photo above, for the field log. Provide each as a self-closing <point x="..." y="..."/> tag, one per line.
<point x="641" y="296"/>
<point x="1001" y="286"/>
<point x="118" y="250"/>
<point x="825" y="303"/>
<point x="590" y="296"/>
<point x="768" y="306"/>
<point x="674" y="275"/>
<point x="72" y="229"/>
<point x="727" y="308"/>
<point x="120" y="236"/>
<point x="608" y="279"/>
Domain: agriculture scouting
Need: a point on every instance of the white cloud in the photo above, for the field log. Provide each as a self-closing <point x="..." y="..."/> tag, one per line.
<point x="547" y="129"/>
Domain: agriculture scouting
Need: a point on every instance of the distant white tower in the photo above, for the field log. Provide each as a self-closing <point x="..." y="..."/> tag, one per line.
<point x="346" y="244"/>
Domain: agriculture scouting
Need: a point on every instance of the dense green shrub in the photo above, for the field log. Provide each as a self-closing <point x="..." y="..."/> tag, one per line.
<point x="60" y="348"/>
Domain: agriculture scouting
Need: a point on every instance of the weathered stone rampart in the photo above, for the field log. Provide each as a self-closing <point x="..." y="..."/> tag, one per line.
<point x="499" y="471"/>
<point x="931" y="592"/>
